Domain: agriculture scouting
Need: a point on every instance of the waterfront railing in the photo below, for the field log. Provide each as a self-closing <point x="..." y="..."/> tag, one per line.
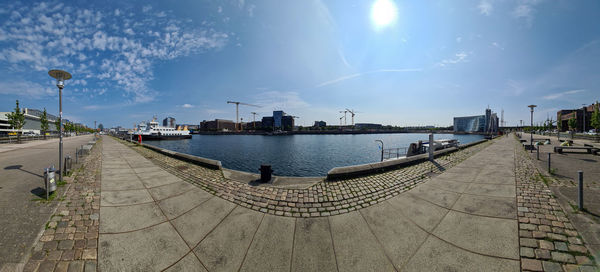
<point x="394" y="153"/>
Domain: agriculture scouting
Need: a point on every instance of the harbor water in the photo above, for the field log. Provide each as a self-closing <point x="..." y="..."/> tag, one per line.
<point x="297" y="155"/>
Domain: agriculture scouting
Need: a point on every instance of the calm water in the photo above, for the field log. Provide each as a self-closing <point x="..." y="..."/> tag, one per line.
<point x="296" y="155"/>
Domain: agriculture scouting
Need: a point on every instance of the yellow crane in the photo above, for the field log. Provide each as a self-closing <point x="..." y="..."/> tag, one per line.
<point x="237" y="105"/>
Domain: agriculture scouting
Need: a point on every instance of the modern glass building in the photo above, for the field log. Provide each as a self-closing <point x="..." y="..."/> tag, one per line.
<point x="478" y="123"/>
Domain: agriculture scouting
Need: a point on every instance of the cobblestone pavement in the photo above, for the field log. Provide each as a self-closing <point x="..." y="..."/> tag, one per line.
<point x="322" y="199"/>
<point x="464" y="219"/>
<point x="548" y="240"/>
<point x="70" y="240"/>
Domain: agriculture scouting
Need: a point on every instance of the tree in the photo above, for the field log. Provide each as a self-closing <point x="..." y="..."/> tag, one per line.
<point x="44" y="122"/>
<point x="572" y="123"/>
<point x="16" y="120"/>
<point x="57" y="123"/>
<point x="100" y="127"/>
<point x="595" y="122"/>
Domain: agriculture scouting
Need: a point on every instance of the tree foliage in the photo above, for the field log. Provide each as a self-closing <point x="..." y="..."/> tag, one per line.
<point x="44" y="122"/>
<point x="595" y="122"/>
<point x="16" y="120"/>
<point x="572" y="123"/>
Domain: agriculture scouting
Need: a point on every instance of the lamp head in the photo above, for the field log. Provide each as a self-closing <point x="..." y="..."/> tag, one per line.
<point x="532" y="106"/>
<point x="60" y="76"/>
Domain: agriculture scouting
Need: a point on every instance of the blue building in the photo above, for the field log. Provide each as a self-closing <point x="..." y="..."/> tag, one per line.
<point x="487" y="123"/>
<point x="277" y="116"/>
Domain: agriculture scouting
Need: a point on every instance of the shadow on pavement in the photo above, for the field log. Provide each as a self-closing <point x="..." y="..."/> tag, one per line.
<point x="19" y="167"/>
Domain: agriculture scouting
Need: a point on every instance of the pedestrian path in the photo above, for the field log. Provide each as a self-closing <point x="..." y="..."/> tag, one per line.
<point x="464" y="219"/>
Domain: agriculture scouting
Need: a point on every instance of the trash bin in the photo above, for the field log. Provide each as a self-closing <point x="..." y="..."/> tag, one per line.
<point x="265" y="172"/>
<point x="49" y="180"/>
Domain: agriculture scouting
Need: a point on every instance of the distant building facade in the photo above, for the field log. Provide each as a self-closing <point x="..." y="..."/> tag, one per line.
<point x="367" y="126"/>
<point x="279" y="120"/>
<point x="217" y="125"/>
<point x="320" y="124"/>
<point x="32" y="122"/>
<point x="487" y="123"/>
<point x="563" y="117"/>
<point x="169" y="122"/>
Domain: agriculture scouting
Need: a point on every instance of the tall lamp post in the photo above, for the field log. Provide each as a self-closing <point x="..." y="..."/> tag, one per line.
<point x="60" y="76"/>
<point x="531" y="132"/>
<point x="584" y="112"/>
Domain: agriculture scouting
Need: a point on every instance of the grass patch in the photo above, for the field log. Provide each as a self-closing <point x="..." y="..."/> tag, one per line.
<point x="553" y="171"/>
<point x="544" y="179"/>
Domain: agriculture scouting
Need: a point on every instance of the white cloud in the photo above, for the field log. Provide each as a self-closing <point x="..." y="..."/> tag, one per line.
<point x="346" y="77"/>
<point x="146" y="8"/>
<point x="26" y="88"/>
<point x="99" y="47"/>
<point x="559" y="95"/>
<point x="497" y="45"/>
<point x="187" y="106"/>
<point x="525" y="9"/>
<point x="276" y="100"/>
<point x="485" y="7"/>
<point x="458" y="58"/>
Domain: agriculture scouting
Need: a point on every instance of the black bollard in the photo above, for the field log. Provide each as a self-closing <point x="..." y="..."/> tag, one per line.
<point x="580" y="195"/>
<point x="265" y="173"/>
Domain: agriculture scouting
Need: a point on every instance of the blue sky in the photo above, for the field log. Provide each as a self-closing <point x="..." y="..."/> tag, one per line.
<point x="436" y="60"/>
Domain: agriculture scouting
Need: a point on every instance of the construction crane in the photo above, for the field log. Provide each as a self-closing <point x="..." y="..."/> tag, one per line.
<point x="352" y="113"/>
<point x="254" y="119"/>
<point x="344" y="112"/>
<point x="341" y="120"/>
<point x="237" y="105"/>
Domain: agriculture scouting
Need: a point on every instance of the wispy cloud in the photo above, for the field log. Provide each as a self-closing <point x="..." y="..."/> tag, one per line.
<point x="485" y="7"/>
<point x="346" y="77"/>
<point x="525" y="9"/>
<point x="559" y="95"/>
<point x="26" y="88"/>
<point x="458" y="58"/>
<point x="279" y="100"/>
<point x="116" y="48"/>
<point x="187" y="106"/>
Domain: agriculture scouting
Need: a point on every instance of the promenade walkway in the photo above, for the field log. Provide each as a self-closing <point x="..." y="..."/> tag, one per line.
<point x="464" y="219"/>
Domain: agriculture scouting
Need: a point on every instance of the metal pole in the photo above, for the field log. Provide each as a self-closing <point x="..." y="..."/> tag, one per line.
<point x="531" y="132"/>
<point x="46" y="183"/>
<point x="580" y="196"/>
<point x="431" y="146"/>
<point x="538" y="152"/>
<point x="549" y="155"/>
<point x="381" y="147"/>
<point x="60" y="145"/>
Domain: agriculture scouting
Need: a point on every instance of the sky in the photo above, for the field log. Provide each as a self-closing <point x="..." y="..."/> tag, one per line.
<point x="402" y="63"/>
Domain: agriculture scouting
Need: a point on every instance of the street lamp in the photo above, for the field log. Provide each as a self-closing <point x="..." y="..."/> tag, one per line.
<point x="584" y="112"/>
<point x="60" y="76"/>
<point x="531" y="141"/>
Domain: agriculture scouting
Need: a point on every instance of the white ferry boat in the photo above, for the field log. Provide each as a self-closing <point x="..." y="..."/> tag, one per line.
<point x="153" y="131"/>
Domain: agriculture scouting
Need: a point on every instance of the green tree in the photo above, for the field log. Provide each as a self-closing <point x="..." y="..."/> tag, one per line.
<point x="44" y="122"/>
<point x="595" y="122"/>
<point x="57" y="123"/>
<point x="16" y="120"/>
<point x="572" y="123"/>
<point x="101" y="127"/>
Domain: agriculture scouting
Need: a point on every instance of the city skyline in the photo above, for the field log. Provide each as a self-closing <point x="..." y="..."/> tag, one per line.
<point x="423" y="64"/>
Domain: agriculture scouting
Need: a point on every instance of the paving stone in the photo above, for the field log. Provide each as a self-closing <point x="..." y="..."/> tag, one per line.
<point x="551" y="267"/>
<point x="563" y="257"/>
<point x="531" y="265"/>
<point x="561" y="246"/>
<point x="526" y="252"/>
<point x="543" y="254"/>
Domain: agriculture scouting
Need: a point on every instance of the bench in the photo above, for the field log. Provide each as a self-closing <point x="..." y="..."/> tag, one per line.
<point x="589" y="149"/>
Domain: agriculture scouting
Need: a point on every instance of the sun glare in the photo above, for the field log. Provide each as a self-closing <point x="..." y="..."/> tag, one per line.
<point x="383" y="13"/>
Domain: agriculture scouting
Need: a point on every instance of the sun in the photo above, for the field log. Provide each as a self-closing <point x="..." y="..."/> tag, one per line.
<point x="383" y="13"/>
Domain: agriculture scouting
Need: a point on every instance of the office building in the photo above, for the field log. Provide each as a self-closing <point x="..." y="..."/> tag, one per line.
<point x="169" y="122"/>
<point x="279" y="121"/>
<point x="32" y="122"/>
<point x="563" y="117"/>
<point x="320" y="124"/>
<point x="217" y="125"/>
<point x="487" y="123"/>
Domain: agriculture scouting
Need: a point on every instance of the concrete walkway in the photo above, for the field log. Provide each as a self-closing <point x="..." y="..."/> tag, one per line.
<point x="464" y="220"/>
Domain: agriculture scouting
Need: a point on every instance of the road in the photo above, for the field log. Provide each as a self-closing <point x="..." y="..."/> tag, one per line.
<point x="21" y="173"/>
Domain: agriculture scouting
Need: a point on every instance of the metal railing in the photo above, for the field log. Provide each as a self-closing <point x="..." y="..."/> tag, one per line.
<point x="13" y="139"/>
<point x="394" y="153"/>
